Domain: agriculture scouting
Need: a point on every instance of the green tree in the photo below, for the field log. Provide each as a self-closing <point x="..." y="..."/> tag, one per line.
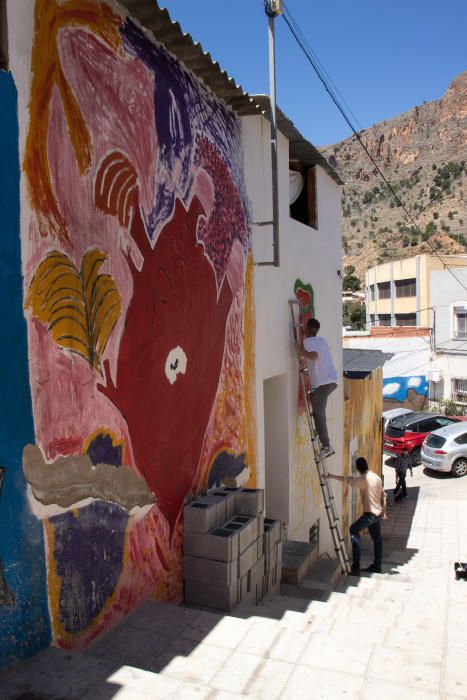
<point x="354" y="315"/>
<point x="351" y="283"/>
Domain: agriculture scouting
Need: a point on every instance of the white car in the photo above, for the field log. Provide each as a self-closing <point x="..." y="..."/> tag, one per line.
<point x="445" y="449"/>
<point x="392" y="413"/>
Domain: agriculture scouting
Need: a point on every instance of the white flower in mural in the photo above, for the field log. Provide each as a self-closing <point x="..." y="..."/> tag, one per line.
<point x="391" y="388"/>
<point x="175" y="363"/>
<point x="414" y="381"/>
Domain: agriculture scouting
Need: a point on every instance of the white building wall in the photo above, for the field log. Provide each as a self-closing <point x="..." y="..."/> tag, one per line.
<point x="314" y="256"/>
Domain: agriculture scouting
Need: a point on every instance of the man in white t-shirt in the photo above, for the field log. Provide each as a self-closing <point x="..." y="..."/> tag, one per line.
<point x="323" y="379"/>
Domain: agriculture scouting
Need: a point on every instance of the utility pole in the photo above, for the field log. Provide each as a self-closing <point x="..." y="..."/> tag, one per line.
<point x="273" y="9"/>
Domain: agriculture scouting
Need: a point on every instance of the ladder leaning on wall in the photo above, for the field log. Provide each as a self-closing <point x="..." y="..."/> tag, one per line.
<point x="328" y="497"/>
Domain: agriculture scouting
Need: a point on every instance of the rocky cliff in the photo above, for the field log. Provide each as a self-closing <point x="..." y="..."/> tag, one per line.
<point x="423" y="154"/>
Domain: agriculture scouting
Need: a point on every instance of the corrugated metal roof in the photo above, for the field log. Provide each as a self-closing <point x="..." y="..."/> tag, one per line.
<point x="363" y="360"/>
<point x="158" y="21"/>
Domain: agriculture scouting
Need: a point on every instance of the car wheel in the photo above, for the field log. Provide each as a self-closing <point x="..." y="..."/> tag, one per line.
<point x="459" y="468"/>
<point x="416" y="456"/>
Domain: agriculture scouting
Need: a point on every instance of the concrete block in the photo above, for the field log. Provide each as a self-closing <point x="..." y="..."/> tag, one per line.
<point x="219" y="573"/>
<point x="274" y="528"/>
<point x="220" y="504"/>
<point x="247" y="592"/>
<point x="200" y="517"/>
<point x="270" y="558"/>
<point x="229" y="498"/>
<point x="247" y="559"/>
<point x="247" y="528"/>
<point x="211" y="596"/>
<point x="249" y="501"/>
<point x="257" y="574"/>
<point x="219" y="544"/>
<point x="260" y="547"/>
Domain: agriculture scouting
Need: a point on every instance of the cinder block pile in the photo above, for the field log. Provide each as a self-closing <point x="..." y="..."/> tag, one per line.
<point x="232" y="553"/>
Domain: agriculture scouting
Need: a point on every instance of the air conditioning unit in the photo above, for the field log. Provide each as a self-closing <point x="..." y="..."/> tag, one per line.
<point x="434" y="375"/>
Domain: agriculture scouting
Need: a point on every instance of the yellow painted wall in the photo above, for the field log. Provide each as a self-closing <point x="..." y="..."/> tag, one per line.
<point x="363" y="408"/>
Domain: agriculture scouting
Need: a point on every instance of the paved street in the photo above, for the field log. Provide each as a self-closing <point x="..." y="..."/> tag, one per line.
<point x="401" y="634"/>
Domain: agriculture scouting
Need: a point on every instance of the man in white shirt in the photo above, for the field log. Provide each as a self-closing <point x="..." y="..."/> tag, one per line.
<point x="374" y="508"/>
<point x="323" y="379"/>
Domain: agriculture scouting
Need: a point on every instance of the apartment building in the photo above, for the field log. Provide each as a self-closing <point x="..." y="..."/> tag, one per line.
<point x="398" y="292"/>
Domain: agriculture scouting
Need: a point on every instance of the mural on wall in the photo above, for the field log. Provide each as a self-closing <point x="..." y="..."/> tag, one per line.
<point x="405" y="392"/>
<point x="362" y="434"/>
<point x="24" y="618"/>
<point x="138" y="277"/>
<point x="305" y="475"/>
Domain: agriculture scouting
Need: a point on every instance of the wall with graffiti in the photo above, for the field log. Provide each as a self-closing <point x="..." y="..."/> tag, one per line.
<point x="405" y="392"/>
<point x="362" y="435"/>
<point x="138" y="300"/>
<point x="24" y="620"/>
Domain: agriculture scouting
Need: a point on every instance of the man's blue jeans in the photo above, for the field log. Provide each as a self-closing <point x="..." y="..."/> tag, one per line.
<point x="372" y="522"/>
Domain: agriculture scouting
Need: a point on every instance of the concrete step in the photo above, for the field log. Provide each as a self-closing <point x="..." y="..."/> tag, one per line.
<point x="297" y="559"/>
<point x="324" y="574"/>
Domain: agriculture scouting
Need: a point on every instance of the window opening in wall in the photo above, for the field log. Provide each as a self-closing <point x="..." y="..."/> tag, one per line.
<point x="406" y="288"/>
<point x="384" y="319"/>
<point x="384" y="290"/>
<point x="460" y="322"/>
<point x="372" y="292"/>
<point x="459" y="391"/>
<point x="3" y="37"/>
<point x="302" y="187"/>
<point x="406" y="319"/>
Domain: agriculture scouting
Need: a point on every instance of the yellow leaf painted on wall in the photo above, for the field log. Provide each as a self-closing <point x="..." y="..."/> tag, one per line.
<point x="80" y="308"/>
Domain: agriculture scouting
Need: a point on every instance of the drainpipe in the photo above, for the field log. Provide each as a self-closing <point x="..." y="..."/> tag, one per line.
<point x="273" y="9"/>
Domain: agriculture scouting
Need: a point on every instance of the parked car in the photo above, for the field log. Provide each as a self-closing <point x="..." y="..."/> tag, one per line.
<point x="392" y="413"/>
<point x="409" y="432"/>
<point x="445" y="449"/>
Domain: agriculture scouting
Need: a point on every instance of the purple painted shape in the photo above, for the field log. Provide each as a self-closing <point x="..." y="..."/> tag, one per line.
<point x="103" y="451"/>
<point x="225" y="465"/>
<point x="88" y="550"/>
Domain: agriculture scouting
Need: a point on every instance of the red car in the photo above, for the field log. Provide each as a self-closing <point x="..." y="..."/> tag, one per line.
<point x="409" y="432"/>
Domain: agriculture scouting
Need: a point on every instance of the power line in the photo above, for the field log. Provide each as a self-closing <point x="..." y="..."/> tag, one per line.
<point x="302" y="42"/>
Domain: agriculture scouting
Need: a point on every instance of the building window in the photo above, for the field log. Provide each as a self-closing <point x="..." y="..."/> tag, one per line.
<point x="304" y="207"/>
<point x="406" y="288"/>
<point x="459" y="391"/>
<point x="384" y="290"/>
<point x="460" y="322"/>
<point x="3" y="37"/>
<point x="384" y="319"/>
<point x="372" y="292"/>
<point x="406" y="320"/>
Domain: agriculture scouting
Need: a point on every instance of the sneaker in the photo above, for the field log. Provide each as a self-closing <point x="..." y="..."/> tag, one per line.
<point x="355" y="570"/>
<point x="372" y="569"/>
<point x="326" y="452"/>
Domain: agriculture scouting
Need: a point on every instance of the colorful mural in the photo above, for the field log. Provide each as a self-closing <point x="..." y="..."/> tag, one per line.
<point x="405" y="392"/>
<point x="138" y="298"/>
<point x="24" y="620"/>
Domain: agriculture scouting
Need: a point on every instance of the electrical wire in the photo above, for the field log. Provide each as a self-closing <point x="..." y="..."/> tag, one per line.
<point x="302" y="42"/>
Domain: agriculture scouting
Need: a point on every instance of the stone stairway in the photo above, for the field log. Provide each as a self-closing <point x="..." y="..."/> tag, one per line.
<point x="395" y="635"/>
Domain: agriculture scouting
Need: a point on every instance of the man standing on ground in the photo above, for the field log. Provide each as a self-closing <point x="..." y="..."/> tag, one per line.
<point x="374" y="508"/>
<point x="402" y="463"/>
<point x="323" y="379"/>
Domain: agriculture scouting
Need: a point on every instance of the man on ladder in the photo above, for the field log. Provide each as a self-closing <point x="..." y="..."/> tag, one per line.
<point x="323" y="379"/>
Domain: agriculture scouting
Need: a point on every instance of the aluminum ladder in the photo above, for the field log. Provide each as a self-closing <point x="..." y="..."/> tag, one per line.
<point x="326" y="490"/>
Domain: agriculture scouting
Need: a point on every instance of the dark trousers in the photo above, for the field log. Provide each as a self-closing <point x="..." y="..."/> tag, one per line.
<point x="319" y="400"/>
<point x="372" y="522"/>
<point x="401" y="487"/>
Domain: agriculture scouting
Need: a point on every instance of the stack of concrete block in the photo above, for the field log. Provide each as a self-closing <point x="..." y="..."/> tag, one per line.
<point x="229" y="554"/>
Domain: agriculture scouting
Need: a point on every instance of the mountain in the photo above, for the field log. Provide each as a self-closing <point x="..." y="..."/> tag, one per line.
<point x="423" y="154"/>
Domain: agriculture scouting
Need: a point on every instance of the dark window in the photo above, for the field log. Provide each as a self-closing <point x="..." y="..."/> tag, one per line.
<point x="372" y="292"/>
<point x="384" y="290"/>
<point x="459" y="391"/>
<point x="444" y="421"/>
<point x="460" y="322"/>
<point x="384" y="319"/>
<point x="426" y="426"/>
<point x="305" y="207"/>
<point x="406" y="320"/>
<point x="435" y="441"/>
<point x="3" y="37"/>
<point x="461" y="439"/>
<point x="406" y="288"/>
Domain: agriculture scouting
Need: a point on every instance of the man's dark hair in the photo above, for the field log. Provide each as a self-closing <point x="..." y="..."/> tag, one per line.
<point x="313" y="325"/>
<point x="362" y="465"/>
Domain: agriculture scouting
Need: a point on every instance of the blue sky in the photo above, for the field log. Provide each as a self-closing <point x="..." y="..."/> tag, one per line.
<point x="383" y="58"/>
